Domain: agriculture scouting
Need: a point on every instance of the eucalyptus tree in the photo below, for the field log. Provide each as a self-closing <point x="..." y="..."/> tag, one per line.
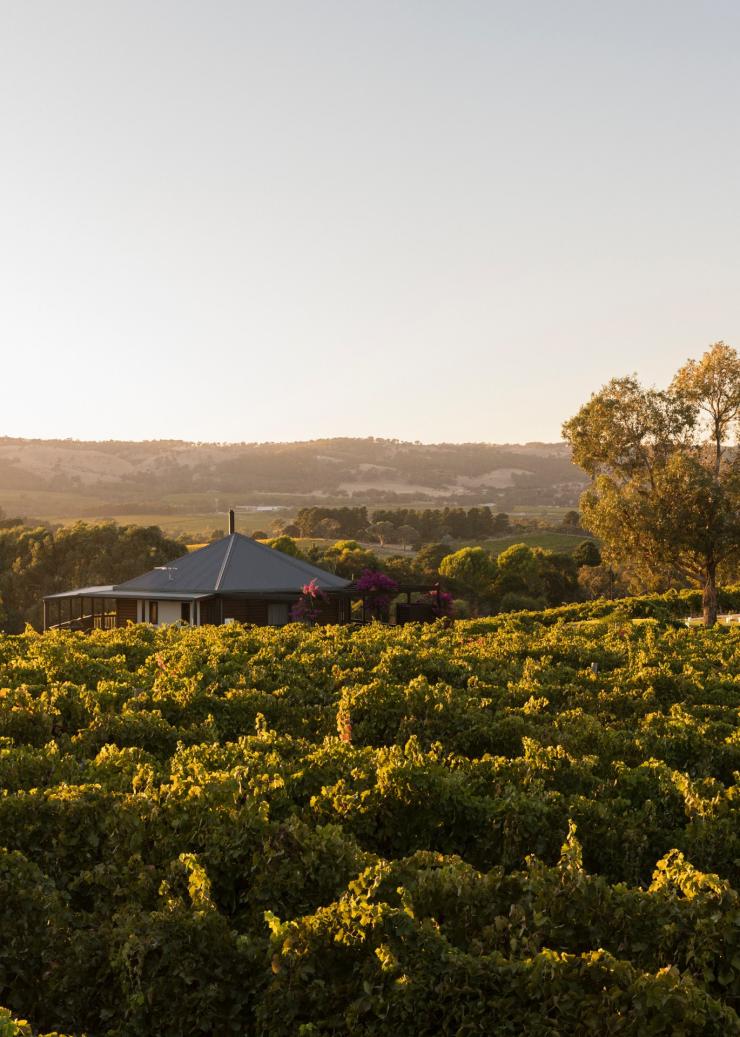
<point x="665" y="469"/>
<point x="473" y="570"/>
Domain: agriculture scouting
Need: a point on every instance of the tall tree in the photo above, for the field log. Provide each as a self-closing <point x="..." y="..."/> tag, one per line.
<point x="408" y="535"/>
<point x="665" y="465"/>
<point x="382" y="532"/>
<point x="473" y="570"/>
<point x="519" y="571"/>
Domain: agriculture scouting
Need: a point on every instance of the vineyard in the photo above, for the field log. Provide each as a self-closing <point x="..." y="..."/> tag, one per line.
<point x="521" y="825"/>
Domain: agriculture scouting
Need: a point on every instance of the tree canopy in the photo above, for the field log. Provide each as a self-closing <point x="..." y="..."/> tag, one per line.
<point x="665" y="469"/>
<point x="39" y="561"/>
<point x="473" y="570"/>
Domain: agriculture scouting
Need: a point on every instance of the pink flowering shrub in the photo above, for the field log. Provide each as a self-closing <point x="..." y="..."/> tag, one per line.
<point x="308" y="607"/>
<point x="377" y="589"/>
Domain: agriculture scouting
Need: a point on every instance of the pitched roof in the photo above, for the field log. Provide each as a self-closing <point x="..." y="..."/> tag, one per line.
<point x="235" y="564"/>
<point x="109" y="591"/>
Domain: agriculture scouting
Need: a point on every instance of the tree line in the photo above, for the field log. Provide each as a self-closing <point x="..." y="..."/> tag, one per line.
<point x="38" y="561"/>
<point x="413" y="525"/>
<point x="521" y="577"/>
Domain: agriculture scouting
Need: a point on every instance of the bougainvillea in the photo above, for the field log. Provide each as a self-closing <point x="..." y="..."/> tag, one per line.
<point x="377" y="590"/>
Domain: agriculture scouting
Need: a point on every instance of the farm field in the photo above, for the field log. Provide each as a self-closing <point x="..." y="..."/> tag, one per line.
<point x="563" y="543"/>
<point x="524" y="824"/>
<point x="196" y="512"/>
<point x="50" y="505"/>
<point x="179" y="525"/>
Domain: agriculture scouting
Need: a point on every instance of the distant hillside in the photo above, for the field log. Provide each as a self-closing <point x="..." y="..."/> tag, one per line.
<point x="90" y="478"/>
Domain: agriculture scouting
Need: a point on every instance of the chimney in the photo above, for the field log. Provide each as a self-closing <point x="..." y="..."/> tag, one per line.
<point x="231" y="521"/>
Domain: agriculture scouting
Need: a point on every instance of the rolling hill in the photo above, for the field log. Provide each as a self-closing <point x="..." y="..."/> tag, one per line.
<point x="76" y="478"/>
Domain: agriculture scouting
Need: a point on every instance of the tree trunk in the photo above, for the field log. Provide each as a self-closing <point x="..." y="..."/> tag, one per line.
<point x="709" y="596"/>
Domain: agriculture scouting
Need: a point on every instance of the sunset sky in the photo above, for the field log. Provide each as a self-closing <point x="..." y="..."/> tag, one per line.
<point x="426" y="220"/>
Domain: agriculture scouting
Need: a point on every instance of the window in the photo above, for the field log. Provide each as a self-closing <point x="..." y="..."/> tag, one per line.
<point x="185" y="611"/>
<point x="154" y="612"/>
<point x="277" y="613"/>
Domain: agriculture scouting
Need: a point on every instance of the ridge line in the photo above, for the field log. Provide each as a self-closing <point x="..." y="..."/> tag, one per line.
<point x="225" y="562"/>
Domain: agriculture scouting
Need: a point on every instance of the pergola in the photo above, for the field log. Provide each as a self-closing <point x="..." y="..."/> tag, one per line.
<point x="96" y="608"/>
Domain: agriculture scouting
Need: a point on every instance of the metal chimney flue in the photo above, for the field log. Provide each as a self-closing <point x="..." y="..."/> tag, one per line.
<point x="232" y="523"/>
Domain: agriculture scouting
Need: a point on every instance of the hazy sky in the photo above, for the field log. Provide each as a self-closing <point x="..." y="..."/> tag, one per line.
<point x="439" y="221"/>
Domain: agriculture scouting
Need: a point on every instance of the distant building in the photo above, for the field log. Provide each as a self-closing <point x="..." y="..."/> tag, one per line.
<point x="234" y="579"/>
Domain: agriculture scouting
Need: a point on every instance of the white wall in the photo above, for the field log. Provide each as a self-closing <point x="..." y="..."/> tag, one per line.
<point x="169" y="612"/>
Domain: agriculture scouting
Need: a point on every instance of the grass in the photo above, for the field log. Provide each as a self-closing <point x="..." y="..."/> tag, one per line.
<point x="550" y="511"/>
<point x="172" y="525"/>
<point x="563" y="543"/>
<point x="42" y="504"/>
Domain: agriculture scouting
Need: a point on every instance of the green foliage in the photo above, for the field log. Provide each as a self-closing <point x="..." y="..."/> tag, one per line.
<point x="520" y="824"/>
<point x="287" y="545"/>
<point x="520" y="576"/>
<point x="350" y="521"/>
<point x="346" y="558"/>
<point x="429" y="559"/>
<point x="11" y="1026"/>
<point x="473" y="570"/>
<point x="587" y="553"/>
<point x="665" y="470"/>
<point x="35" y="562"/>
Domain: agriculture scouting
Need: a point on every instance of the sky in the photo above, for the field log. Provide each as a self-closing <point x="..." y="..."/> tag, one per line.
<point x="436" y="221"/>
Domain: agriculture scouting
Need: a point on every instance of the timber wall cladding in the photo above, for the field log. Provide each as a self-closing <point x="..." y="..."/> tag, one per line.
<point x="210" y="611"/>
<point x="245" y="610"/>
<point x="125" y="611"/>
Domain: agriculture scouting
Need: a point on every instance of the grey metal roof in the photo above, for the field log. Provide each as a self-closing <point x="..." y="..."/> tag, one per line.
<point x="235" y="564"/>
<point x="92" y="592"/>
<point x="110" y="591"/>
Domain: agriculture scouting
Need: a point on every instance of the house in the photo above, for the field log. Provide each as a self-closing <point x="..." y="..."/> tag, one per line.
<point x="234" y="579"/>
